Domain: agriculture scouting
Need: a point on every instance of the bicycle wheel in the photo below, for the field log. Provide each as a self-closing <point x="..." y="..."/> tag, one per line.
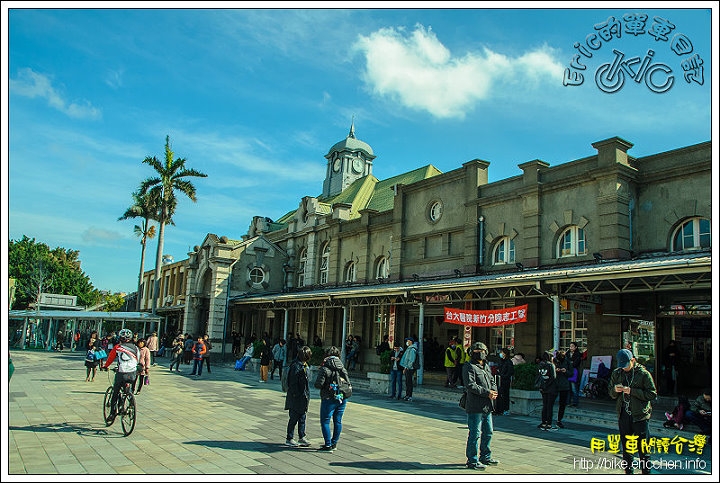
<point x="128" y="416"/>
<point x="107" y="406"/>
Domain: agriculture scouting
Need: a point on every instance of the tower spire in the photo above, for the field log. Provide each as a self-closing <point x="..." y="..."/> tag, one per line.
<point x="352" y="128"/>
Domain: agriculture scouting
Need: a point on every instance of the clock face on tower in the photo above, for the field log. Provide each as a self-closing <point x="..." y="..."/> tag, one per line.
<point x="357" y="165"/>
<point x="336" y="165"/>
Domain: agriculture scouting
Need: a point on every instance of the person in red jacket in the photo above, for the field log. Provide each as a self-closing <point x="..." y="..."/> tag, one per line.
<point x="198" y="350"/>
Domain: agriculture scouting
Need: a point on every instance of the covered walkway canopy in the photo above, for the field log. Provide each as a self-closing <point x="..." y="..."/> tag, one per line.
<point x="40" y="328"/>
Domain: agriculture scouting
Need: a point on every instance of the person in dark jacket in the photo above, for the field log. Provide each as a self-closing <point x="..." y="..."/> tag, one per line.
<point x="575" y="357"/>
<point x="548" y="390"/>
<point x="633" y="389"/>
<point x="479" y="385"/>
<point x="506" y="370"/>
<point x="297" y="398"/>
<point x="265" y="356"/>
<point x="332" y="404"/>
<point x="563" y="369"/>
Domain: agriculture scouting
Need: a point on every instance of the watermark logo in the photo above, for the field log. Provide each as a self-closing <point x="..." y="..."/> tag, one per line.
<point x="611" y="76"/>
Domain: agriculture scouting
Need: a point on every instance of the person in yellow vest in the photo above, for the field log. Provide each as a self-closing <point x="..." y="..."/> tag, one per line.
<point x="453" y="354"/>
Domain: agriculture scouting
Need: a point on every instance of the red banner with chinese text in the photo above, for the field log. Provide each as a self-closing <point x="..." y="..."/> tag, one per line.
<point x="486" y="318"/>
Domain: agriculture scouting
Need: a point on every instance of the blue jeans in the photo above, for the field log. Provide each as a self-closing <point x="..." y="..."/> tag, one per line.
<point x="574" y="392"/>
<point x="331" y="409"/>
<point x="296" y="418"/>
<point x="244" y="361"/>
<point x="396" y="380"/>
<point x="197" y="367"/>
<point x="480" y="426"/>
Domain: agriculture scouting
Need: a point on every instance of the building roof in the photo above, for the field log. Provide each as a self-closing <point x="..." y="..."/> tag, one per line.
<point x="83" y="315"/>
<point x="351" y="143"/>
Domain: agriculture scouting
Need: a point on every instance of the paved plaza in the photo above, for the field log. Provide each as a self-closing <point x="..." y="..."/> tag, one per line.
<point x="229" y="423"/>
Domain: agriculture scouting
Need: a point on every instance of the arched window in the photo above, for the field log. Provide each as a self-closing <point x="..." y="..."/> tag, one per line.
<point x="382" y="269"/>
<point x="324" y="262"/>
<point x="692" y="234"/>
<point x="302" y="261"/>
<point x="504" y="251"/>
<point x="350" y="272"/>
<point x="571" y="243"/>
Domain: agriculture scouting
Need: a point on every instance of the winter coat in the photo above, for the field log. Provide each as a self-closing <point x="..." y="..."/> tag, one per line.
<point x="408" y="358"/>
<point x="279" y="352"/>
<point x="642" y="391"/>
<point x="562" y="377"/>
<point x="326" y="376"/>
<point x="265" y="355"/>
<point x="506" y="370"/>
<point x="298" y="388"/>
<point x="144" y="360"/>
<point x="547" y="371"/>
<point x="478" y="382"/>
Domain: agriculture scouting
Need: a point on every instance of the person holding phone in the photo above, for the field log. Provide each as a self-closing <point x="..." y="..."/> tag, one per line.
<point x="633" y="389"/>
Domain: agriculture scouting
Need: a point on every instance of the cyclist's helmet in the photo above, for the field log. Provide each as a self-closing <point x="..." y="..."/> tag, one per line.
<point x="125" y="335"/>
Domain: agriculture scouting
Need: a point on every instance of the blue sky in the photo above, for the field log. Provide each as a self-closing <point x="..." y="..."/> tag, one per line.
<point x="256" y="97"/>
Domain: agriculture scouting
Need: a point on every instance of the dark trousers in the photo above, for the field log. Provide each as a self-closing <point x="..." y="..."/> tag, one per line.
<point x="409" y="382"/>
<point x="548" y="399"/>
<point x="451" y="379"/>
<point x="640" y="429"/>
<point x="276" y="365"/>
<point x="138" y="383"/>
<point x="703" y="422"/>
<point x="503" y="400"/>
<point x="563" y="400"/>
<point x="296" y="418"/>
<point x="206" y="358"/>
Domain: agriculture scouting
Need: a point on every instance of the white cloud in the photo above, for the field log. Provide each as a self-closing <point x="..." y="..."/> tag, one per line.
<point x="419" y="72"/>
<point x="31" y="84"/>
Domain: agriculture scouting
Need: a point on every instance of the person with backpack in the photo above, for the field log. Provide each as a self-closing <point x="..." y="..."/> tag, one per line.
<point x="331" y="379"/>
<point x="90" y="364"/>
<point x="410" y="363"/>
<point x="547" y="384"/>
<point x="128" y="356"/>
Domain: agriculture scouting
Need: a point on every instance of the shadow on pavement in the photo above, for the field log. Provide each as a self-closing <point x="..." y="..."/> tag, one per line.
<point x="82" y="429"/>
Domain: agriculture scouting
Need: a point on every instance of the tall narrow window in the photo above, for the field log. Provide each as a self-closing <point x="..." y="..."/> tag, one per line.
<point x="324" y="263"/>
<point x="350" y="272"/>
<point x="571" y="243"/>
<point x="383" y="268"/>
<point x="692" y="234"/>
<point x="573" y="328"/>
<point x="504" y="251"/>
<point x="302" y="261"/>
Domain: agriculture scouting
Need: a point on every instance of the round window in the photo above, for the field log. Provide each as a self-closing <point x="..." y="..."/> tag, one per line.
<point x="257" y="275"/>
<point x="435" y="211"/>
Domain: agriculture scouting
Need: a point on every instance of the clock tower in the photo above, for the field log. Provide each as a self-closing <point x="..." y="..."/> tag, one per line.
<point x="347" y="161"/>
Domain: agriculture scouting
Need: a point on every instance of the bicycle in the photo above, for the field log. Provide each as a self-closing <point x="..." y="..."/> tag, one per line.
<point x="596" y="388"/>
<point x="126" y="408"/>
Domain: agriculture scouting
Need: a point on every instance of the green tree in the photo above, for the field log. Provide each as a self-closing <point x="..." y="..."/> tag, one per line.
<point x="145" y="207"/>
<point x="171" y="177"/>
<point x="37" y="269"/>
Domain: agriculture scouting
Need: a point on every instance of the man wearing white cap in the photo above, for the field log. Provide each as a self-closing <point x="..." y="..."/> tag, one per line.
<point x="633" y="388"/>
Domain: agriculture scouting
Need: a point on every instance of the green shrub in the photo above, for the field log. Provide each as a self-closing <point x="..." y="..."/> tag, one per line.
<point x="524" y="377"/>
<point x="385" y="362"/>
<point x="318" y="354"/>
<point x="257" y="346"/>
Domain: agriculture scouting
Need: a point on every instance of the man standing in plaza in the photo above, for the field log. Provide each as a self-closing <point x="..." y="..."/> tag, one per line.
<point x="633" y="389"/>
<point x="481" y="394"/>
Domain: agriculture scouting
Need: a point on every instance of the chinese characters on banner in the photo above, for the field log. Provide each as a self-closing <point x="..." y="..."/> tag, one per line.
<point x="486" y="318"/>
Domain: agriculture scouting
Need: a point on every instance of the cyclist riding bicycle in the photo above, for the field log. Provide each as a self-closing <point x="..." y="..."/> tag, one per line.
<point x="128" y="355"/>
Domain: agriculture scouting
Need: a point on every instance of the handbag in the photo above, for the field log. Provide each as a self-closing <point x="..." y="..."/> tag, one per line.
<point x="463" y="400"/>
<point x="573" y="378"/>
<point x="101" y="354"/>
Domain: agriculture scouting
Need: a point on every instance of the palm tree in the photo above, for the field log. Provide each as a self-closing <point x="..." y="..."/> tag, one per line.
<point x="146" y="208"/>
<point x="170" y="177"/>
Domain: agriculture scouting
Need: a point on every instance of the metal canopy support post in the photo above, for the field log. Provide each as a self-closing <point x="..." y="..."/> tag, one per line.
<point x="285" y="327"/>
<point x="421" y="329"/>
<point x="556" y="321"/>
<point x="344" y="332"/>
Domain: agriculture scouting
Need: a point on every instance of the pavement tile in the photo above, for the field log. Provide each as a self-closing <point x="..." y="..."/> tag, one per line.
<point x="229" y="423"/>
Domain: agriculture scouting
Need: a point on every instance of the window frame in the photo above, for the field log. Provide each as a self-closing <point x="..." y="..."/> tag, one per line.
<point x="324" y="269"/>
<point x="507" y="245"/>
<point x="572" y="237"/>
<point x="302" y="263"/>
<point x="382" y="268"/>
<point x="697" y="235"/>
